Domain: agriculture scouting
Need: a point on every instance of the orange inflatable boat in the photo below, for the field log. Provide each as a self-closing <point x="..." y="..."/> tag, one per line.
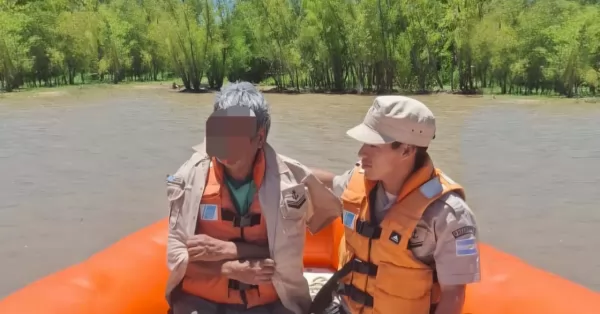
<point x="129" y="278"/>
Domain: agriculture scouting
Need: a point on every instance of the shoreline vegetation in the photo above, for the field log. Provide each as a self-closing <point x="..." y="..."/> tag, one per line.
<point x="500" y="47"/>
<point x="167" y="86"/>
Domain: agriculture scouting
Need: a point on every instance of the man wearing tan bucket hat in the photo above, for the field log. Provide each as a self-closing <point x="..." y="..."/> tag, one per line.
<point x="410" y="243"/>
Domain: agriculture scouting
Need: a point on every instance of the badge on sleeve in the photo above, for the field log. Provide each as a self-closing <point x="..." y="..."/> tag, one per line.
<point x="176" y="180"/>
<point x="417" y="238"/>
<point x="466" y="247"/>
<point x="462" y="231"/>
<point x="295" y="199"/>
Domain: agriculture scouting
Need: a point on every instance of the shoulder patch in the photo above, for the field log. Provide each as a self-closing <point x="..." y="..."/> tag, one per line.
<point x="417" y="237"/>
<point x="294" y="199"/>
<point x="463" y="231"/>
<point x="466" y="247"/>
<point x="171" y="179"/>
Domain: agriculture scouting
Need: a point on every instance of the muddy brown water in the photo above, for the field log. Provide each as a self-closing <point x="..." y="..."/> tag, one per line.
<point x="83" y="168"/>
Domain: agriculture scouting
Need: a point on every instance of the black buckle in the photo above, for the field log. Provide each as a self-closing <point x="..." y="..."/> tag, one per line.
<point x="368" y="230"/>
<point x="236" y="285"/>
<point x="355" y="295"/>
<point x="246" y="220"/>
<point x="240" y="221"/>
<point x="365" y="268"/>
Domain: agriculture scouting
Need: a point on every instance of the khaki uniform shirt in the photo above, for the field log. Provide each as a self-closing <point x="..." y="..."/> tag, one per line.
<point x="434" y="239"/>
<point x="286" y="183"/>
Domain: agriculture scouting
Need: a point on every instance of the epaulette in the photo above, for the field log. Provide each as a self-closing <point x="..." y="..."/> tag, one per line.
<point x="176" y="180"/>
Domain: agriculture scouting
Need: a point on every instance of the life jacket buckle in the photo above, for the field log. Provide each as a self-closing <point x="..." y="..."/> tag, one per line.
<point x="365" y="268"/>
<point x="355" y="294"/>
<point x="246" y="220"/>
<point x="368" y="230"/>
<point x="238" y="221"/>
<point x="242" y="221"/>
<point x="237" y="285"/>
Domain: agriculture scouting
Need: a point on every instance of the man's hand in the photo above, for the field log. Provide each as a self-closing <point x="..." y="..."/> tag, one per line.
<point x="205" y="248"/>
<point x="252" y="272"/>
<point x="324" y="176"/>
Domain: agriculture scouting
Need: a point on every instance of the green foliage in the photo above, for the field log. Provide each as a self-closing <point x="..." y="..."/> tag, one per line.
<point x="511" y="46"/>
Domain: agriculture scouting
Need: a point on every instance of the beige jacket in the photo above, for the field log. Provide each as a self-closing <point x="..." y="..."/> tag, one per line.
<point x="285" y="225"/>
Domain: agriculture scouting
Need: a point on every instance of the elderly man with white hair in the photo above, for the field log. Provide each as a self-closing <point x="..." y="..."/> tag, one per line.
<point x="238" y="214"/>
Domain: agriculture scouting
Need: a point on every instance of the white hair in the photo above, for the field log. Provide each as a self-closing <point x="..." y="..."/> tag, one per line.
<point x="244" y="94"/>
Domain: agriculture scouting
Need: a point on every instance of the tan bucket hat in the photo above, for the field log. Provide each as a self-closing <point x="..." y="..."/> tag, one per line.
<point x="396" y="119"/>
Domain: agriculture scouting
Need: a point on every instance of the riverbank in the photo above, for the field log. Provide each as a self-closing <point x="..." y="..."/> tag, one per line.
<point x="489" y="93"/>
<point x="167" y="86"/>
<point x="74" y="89"/>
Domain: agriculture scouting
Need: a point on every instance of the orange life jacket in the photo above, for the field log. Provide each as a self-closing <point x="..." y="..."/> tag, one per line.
<point x="219" y="219"/>
<point x="386" y="277"/>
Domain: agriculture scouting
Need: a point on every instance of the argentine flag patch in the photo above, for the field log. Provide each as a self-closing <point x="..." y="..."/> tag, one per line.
<point x="466" y="247"/>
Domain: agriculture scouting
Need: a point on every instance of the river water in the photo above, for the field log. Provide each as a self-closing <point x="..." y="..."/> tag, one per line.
<point x="86" y="167"/>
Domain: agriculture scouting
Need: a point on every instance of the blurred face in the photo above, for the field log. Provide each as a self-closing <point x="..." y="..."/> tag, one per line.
<point x="234" y="141"/>
<point x="240" y="152"/>
<point x="383" y="161"/>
